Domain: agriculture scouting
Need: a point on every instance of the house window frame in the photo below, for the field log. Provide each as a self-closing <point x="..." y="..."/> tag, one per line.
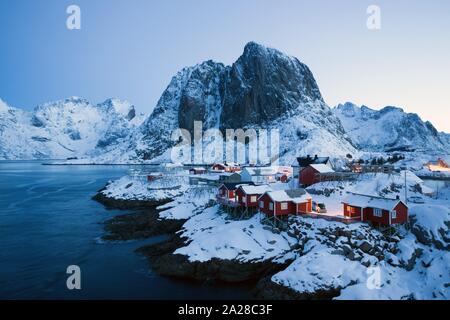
<point x="394" y="214"/>
<point x="261" y="204"/>
<point x="253" y="199"/>
<point x="284" y="206"/>
<point x="271" y="206"/>
<point x="377" y="212"/>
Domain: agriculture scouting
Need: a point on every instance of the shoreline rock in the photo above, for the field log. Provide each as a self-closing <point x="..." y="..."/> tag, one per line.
<point x="266" y="289"/>
<point x="165" y="263"/>
<point x="129" y="204"/>
<point x="143" y="223"/>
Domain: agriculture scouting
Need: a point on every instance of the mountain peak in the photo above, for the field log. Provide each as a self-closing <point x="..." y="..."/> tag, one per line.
<point x="3" y="106"/>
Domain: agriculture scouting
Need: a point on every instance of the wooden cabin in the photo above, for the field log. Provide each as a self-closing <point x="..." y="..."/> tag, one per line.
<point x="248" y="195"/>
<point x="285" y="202"/>
<point x="314" y="173"/>
<point x="378" y="210"/>
<point x="226" y="167"/>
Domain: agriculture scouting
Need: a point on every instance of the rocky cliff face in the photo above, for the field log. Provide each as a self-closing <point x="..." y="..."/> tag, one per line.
<point x="390" y="129"/>
<point x="263" y="89"/>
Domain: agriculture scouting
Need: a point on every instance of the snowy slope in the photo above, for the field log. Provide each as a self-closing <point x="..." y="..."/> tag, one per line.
<point x="68" y="128"/>
<point x="390" y="129"/>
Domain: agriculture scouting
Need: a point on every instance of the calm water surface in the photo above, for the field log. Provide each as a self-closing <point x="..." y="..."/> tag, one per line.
<point x="48" y="222"/>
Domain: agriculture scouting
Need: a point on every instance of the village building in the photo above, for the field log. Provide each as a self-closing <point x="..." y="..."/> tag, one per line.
<point x="248" y="195"/>
<point x="437" y="165"/>
<point x="259" y="175"/>
<point x="302" y="162"/>
<point x="372" y="168"/>
<point x="226" y="167"/>
<point x="315" y="173"/>
<point x="197" y="170"/>
<point x="378" y="210"/>
<point x="285" y="202"/>
<point x="230" y="177"/>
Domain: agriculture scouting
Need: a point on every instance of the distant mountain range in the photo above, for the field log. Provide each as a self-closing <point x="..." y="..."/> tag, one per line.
<point x="263" y="89"/>
<point x="64" y="129"/>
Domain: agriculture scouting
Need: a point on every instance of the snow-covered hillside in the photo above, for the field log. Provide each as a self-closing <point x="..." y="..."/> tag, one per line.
<point x="390" y="129"/>
<point x="67" y="128"/>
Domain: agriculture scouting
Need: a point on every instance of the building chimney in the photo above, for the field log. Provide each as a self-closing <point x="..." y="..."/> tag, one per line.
<point x="397" y="197"/>
<point x="315" y="157"/>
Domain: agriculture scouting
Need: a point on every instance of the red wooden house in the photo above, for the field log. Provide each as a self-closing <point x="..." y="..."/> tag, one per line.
<point x="226" y="167"/>
<point x="285" y="202"/>
<point x="220" y="167"/>
<point x="248" y="195"/>
<point x="378" y="210"/>
<point x="314" y="173"/>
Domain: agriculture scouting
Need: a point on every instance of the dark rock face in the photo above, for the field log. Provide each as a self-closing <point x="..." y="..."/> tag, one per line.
<point x="263" y="85"/>
<point x="165" y="263"/>
<point x="269" y="290"/>
<point x="139" y="225"/>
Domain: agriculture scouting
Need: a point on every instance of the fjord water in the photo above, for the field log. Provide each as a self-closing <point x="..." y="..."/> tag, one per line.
<point x="48" y="222"/>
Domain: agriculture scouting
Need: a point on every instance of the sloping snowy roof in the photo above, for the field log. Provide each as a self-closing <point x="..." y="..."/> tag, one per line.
<point x="262" y="171"/>
<point x="296" y="195"/>
<point x="198" y="168"/>
<point x="305" y="161"/>
<point x="367" y="201"/>
<point x="249" y="189"/>
<point x="234" y="185"/>
<point x="322" y="168"/>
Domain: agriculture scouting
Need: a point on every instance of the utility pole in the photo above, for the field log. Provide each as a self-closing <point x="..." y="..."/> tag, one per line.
<point x="406" y="191"/>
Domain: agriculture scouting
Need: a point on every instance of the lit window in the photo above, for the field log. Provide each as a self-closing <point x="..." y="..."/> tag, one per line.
<point x="244" y="199"/>
<point x="253" y="199"/>
<point x="284" y="206"/>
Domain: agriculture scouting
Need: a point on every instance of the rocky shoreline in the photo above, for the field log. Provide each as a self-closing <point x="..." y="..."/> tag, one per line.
<point x="166" y="263"/>
<point x="145" y="222"/>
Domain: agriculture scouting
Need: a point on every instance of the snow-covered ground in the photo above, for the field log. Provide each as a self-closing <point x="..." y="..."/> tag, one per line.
<point x="138" y="188"/>
<point x="355" y="261"/>
<point x="212" y="235"/>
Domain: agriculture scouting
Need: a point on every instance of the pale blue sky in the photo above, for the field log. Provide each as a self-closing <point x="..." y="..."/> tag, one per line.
<point x="131" y="49"/>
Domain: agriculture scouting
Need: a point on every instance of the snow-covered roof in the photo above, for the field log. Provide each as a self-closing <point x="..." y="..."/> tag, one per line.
<point x="249" y="189"/>
<point x="322" y="168"/>
<point x="295" y="195"/>
<point x="198" y="168"/>
<point x="367" y="201"/>
<point x="261" y="171"/>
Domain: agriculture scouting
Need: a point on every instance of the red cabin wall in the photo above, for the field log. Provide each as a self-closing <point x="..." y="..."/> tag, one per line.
<point x="348" y="213"/>
<point x="305" y="207"/>
<point x="402" y="214"/>
<point x="307" y="176"/>
<point x="266" y="199"/>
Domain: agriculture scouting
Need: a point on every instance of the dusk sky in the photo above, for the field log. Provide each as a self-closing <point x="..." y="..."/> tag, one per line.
<point x="131" y="49"/>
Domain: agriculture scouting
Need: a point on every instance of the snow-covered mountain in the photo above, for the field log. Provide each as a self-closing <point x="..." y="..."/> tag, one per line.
<point x="263" y="89"/>
<point x="390" y="129"/>
<point x="68" y="128"/>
